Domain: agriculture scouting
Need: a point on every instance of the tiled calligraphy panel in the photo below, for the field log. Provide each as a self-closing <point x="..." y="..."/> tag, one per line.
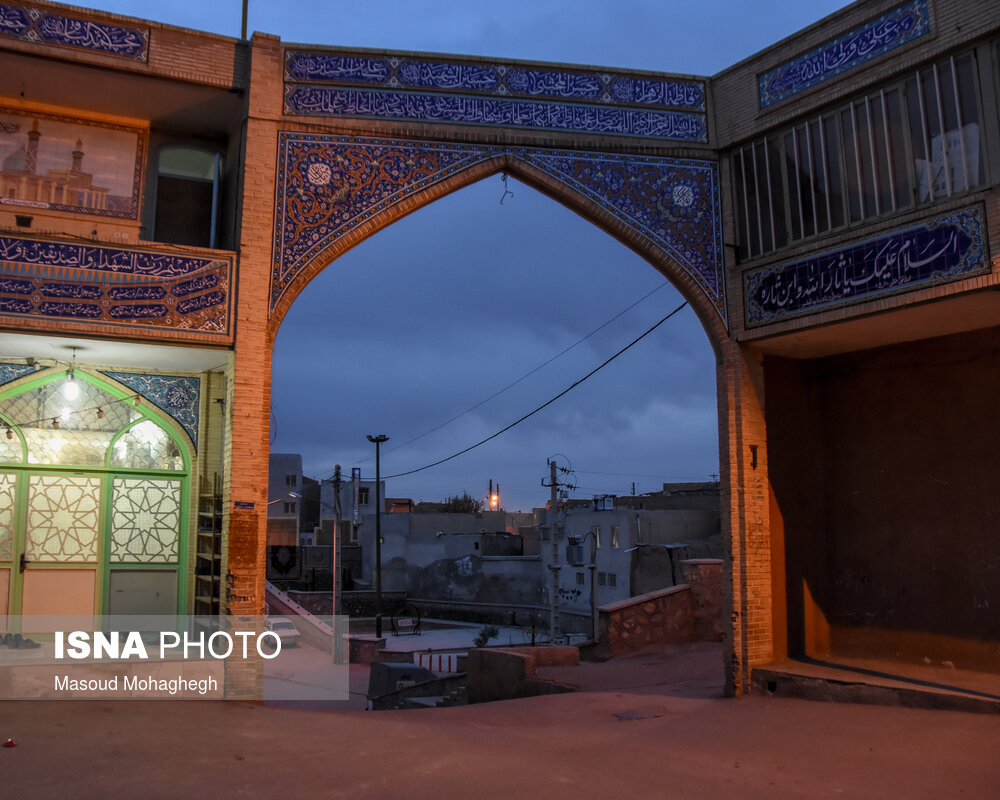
<point x="129" y="288"/>
<point x="887" y="32"/>
<point x="941" y="249"/>
<point x="509" y="95"/>
<point x="178" y="396"/>
<point x="44" y="26"/>
<point x="330" y="185"/>
<point x="11" y="372"/>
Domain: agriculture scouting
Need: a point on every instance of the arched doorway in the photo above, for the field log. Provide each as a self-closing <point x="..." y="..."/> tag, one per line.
<point x="94" y="500"/>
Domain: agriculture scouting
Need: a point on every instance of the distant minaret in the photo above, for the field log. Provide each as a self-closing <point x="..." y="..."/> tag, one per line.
<point x="31" y="157"/>
<point x="78" y="156"/>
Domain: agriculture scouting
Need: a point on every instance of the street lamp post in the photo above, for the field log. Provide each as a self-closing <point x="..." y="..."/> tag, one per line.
<point x="378" y="440"/>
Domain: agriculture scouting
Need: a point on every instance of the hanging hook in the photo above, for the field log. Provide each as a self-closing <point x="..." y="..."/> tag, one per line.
<point x="506" y="191"/>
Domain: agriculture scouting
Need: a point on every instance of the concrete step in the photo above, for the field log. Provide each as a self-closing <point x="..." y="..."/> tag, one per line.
<point x="887" y="685"/>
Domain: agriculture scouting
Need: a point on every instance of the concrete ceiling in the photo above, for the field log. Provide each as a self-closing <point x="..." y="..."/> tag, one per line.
<point x="116" y="355"/>
<point x="168" y="105"/>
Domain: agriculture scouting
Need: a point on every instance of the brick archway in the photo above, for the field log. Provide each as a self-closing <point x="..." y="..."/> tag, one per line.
<point x="317" y="188"/>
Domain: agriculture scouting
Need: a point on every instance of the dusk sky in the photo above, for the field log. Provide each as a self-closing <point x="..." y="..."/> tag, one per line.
<point x="446" y="307"/>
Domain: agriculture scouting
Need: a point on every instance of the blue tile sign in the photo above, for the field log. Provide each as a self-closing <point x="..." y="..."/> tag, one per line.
<point x="940" y="249"/>
<point x="44" y="26"/>
<point x="505" y="95"/>
<point x="897" y="27"/>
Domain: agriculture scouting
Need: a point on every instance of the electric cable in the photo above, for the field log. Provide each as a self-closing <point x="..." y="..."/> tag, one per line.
<point x="545" y="404"/>
<point x="527" y="374"/>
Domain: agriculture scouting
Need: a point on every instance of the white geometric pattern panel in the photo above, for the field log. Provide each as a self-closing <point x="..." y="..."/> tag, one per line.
<point x="145" y="520"/>
<point x="63" y="518"/>
<point x="7" y="484"/>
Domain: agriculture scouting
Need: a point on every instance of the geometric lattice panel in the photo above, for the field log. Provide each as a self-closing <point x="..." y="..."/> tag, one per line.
<point x="63" y="518"/>
<point x="145" y="521"/>
<point x="7" y="484"/>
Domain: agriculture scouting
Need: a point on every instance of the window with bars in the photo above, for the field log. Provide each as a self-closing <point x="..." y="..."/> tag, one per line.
<point x="914" y="142"/>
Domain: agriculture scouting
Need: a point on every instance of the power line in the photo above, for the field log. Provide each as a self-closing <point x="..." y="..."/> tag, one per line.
<point x="527" y="374"/>
<point x="624" y="474"/>
<point x="547" y="403"/>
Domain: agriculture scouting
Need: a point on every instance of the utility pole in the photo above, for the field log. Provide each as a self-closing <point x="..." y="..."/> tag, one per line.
<point x="378" y="440"/>
<point x="553" y="484"/>
<point x="337" y="585"/>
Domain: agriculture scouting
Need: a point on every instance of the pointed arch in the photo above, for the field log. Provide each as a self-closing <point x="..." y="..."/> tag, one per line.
<point x="334" y="191"/>
<point x="94" y="499"/>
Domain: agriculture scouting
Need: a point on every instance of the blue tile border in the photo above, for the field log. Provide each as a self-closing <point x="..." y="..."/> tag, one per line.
<point x="897" y="27"/>
<point x="335" y="101"/>
<point x="42" y="26"/>
<point x="940" y="249"/>
<point x="510" y="80"/>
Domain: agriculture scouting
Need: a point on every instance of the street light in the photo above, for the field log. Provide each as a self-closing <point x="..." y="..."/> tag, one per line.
<point x="377" y="440"/>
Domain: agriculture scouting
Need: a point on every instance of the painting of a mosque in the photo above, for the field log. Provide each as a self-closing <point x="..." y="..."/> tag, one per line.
<point x="70" y="165"/>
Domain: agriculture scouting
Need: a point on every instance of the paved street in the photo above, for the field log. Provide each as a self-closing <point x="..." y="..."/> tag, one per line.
<point x="647" y="726"/>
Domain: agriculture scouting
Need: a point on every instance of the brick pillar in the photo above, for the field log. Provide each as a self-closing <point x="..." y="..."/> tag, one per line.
<point x="745" y="510"/>
<point x="250" y="390"/>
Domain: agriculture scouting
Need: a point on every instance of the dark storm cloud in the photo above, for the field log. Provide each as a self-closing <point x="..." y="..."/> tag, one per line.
<point x="448" y="306"/>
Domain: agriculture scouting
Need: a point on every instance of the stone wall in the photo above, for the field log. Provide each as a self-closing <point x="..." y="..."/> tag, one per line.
<point x="686" y="613"/>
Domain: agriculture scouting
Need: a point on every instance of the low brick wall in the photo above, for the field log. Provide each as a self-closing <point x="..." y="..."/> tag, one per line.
<point x="690" y="612"/>
<point x="663" y="617"/>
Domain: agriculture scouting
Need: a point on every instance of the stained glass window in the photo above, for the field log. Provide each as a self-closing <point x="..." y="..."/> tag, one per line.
<point x="67" y="421"/>
<point x="146" y="446"/>
<point x="145" y="520"/>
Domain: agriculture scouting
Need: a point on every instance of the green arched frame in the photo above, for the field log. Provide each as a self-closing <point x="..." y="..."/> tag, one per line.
<point x="140" y="412"/>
